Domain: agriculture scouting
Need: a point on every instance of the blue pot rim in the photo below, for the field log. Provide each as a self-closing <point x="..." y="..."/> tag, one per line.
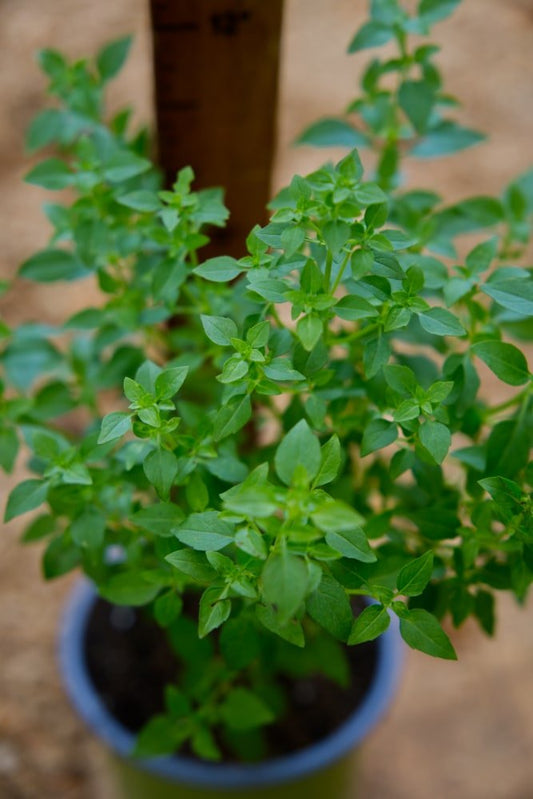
<point x="223" y="776"/>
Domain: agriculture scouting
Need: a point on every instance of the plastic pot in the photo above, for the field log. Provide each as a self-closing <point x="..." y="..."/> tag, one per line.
<point x="325" y="769"/>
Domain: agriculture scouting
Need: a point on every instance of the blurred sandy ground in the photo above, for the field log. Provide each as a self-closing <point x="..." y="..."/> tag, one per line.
<point x="461" y="729"/>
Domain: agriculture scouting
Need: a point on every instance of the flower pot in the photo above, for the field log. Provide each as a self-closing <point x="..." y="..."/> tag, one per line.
<point x="324" y="769"/>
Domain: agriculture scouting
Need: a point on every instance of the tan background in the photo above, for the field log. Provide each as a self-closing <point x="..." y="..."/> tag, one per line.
<point x="463" y="730"/>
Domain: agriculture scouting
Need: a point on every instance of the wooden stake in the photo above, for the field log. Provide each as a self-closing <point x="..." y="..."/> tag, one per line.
<point x="216" y="79"/>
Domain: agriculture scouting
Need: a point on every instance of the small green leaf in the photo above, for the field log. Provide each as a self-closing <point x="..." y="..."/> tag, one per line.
<point x="505" y="360"/>
<point x="159" y="519"/>
<point x="51" y="174"/>
<point x="330" y="607"/>
<point x="444" y="138"/>
<point x="300" y="447"/>
<point x="169" y="382"/>
<point x="9" y="447"/>
<point x="436" y="439"/>
<point x="378" y="433"/>
<point x="219" y="329"/>
<point x="433" y="11"/>
<point x="88" y="528"/>
<point x="414" y="576"/>
<point x="142" y="200"/>
<point x="25" y="496"/>
<point x="371" y="34"/>
<point x="371" y="622"/>
<point x="353" y="308"/>
<point x="125" y="165"/>
<point x="112" y="57"/>
<point x="232" y="418"/>
<point x="331" y="132"/>
<point x="128" y="588"/>
<point x="114" y="425"/>
<point x="244" y="710"/>
<point x="191" y="563"/>
<point x="441" y="322"/>
<point x="205" y="532"/>
<point x="352" y="544"/>
<point x="480" y="258"/>
<point x="422" y="631"/>
<point x="161" y="468"/>
<point x="330" y="461"/>
<point x="280" y="369"/>
<point x="167" y="608"/>
<point x="416" y="99"/>
<point x="219" y="270"/>
<point x="284" y="583"/>
<point x="213" y="611"/>
<point x="309" y="331"/>
<point x="48" y="266"/>
<point x="514" y="294"/>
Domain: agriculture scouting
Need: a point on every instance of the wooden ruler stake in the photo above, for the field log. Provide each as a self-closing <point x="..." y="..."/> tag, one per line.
<point x="216" y="89"/>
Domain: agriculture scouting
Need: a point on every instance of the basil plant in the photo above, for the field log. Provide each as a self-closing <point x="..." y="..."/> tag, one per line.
<point x="279" y="433"/>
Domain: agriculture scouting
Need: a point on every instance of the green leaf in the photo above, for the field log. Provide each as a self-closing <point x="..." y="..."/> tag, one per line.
<point x="353" y="308"/>
<point x="330" y="607"/>
<point x="331" y="132"/>
<point x="309" y="331"/>
<point x="240" y="643"/>
<point x="505" y="360"/>
<point x="480" y="258"/>
<point x="159" y="519"/>
<point x="191" y="563"/>
<point x="231" y="418"/>
<point x="125" y="165"/>
<point x="161" y="735"/>
<point x="169" y="382"/>
<point x="378" y="433"/>
<point x="515" y="294"/>
<point x="114" y="425"/>
<point x="433" y="11"/>
<point x="371" y="622"/>
<point x="335" y="515"/>
<point x="330" y="462"/>
<point x="219" y="329"/>
<point x="352" y="544"/>
<point x="258" y="335"/>
<point x="205" y="532"/>
<point x="9" y="447"/>
<point x="416" y="99"/>
<point x="400" y="378"/>
<point x="25" y="496"/>
<point x="291" y="632"/>
<point x="111" y="58"/>
<point x="436" y="439"/>
<point x="45" y="128"/>
<point x="142" y="200"/>
<point x="446" y="137"/>
<point x="280" y="369"/>
<point x="420" y="630"/>
<point x="167" y="608"/>
<point x="284" y="583"/>
<point x="244" y="710"/>
<point x="300" y="447"/>
<point x="51" y="174"/>
<point x="441" y="322"/>
<point x="369" y="194"/>
<point x="414" y="576"/>
<point x="128" y="588"/>
<point x="335" y="233"/>
<point x="88" y="528"/>
<point x="219" y="270"/>
<point x="161" y="468"/>
<point x="213" y="611"/>
<point x="371" y="34"/>
<point x="48" y="266"/>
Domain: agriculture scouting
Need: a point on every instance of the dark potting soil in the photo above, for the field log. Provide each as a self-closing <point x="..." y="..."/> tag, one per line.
<point x="130" y="663"/>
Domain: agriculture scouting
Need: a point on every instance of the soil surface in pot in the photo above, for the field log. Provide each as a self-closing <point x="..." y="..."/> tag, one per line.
<point x="130" y="661"/>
